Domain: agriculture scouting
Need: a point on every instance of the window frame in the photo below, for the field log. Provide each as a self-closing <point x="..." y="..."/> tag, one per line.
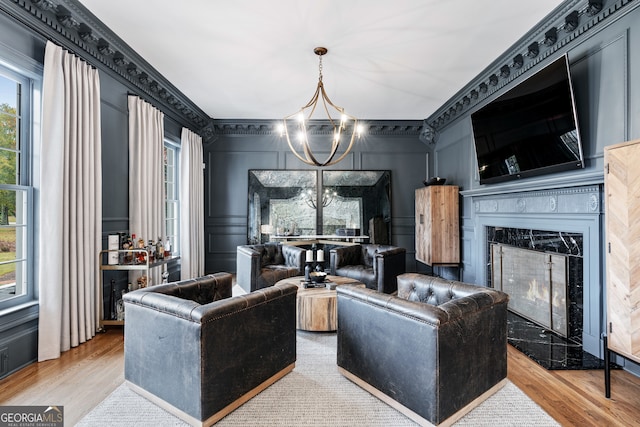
<point x="29" y="75"/>
<point x="174" y="146"/>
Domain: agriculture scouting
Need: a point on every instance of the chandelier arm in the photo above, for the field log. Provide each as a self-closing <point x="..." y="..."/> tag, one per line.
<point x="293" y="150"/>
<point x="344" y="154"/>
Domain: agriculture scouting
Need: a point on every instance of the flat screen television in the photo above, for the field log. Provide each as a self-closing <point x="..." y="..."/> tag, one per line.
<point x="530" y="130"/>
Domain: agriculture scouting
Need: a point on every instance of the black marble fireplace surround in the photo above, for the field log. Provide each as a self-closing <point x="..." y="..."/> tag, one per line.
<point x="547" y="348"/>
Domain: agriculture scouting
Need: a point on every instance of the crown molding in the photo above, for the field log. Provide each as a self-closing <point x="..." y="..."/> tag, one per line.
<point x="568" y="24"/>
<point x="69" y="24"/>
<point x="270" y="127"/>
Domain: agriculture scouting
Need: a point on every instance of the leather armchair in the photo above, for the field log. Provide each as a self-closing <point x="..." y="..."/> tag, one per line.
<point x="199" y="353"/>
<point x="429" y="351"/>
<point x="377" y="266"/>
<point x="259" y="266"/>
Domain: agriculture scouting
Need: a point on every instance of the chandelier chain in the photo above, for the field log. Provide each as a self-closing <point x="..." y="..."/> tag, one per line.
<point x="320" y="68"/>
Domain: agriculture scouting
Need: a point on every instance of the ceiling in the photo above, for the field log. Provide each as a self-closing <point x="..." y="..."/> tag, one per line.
<point x="252" y="59"/>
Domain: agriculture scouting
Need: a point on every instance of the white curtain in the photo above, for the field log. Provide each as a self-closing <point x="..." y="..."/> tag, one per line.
<point x="191" y="206"/>
<point x="70" y="219"/>
<point x="146" y="182"/>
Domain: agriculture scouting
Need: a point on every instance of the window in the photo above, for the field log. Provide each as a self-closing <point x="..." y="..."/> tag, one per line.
<point x="172" y="196"/>
<point x="16" y="195"/>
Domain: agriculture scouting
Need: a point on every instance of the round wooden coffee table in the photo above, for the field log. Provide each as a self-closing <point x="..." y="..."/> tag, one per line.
<point x="317" y="308"/>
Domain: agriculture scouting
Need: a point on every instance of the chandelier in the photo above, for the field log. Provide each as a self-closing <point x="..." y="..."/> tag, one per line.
<point x="327" y="198"/>
<point x="344" y="126"/>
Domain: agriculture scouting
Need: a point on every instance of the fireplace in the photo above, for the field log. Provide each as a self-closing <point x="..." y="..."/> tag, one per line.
<point x="564" y="221"/>
<point x="541" y="271"/>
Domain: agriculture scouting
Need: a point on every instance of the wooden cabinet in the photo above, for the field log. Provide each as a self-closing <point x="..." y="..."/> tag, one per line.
<point x="437" y="225"/>
<point x="622" y="221"/>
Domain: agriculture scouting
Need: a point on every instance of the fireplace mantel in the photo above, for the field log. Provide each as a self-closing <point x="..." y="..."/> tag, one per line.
<point x="573" y="200"/>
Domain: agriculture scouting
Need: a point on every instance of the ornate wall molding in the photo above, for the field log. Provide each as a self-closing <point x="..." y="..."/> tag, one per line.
<point x="269" y="127"/>
<point x="71" y="25"/>
<point x="567" y="25"/>
<point x="574" y="201"/>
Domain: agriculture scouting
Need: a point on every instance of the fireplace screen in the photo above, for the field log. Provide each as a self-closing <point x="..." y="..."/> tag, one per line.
<point x="536" y="283"/>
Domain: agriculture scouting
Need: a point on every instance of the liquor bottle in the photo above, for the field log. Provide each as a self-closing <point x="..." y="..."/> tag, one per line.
<point x="159" y="249"/>
<point x="167" y="248"/>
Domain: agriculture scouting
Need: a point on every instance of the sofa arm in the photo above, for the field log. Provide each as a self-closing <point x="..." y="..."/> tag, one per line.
<point x="248" y="265"/>
<point x="389" y="264"/>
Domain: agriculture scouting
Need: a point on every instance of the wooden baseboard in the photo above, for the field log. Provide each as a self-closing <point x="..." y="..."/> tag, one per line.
<point x="413" y="415"/>
<point x="218" y="415"/>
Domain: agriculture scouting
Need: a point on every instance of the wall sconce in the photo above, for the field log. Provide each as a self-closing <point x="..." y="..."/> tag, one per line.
<point x="518" y="61"/>
<point x="551" y="36"/>
<point x="571" y="21"/>
<point x="505" y="71"/>
<point x="533" y="50"/>
<point x="493" y="80"/>
<point x="594" y="7"/>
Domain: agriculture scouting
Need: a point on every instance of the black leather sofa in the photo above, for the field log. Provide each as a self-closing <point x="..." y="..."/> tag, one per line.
<point x="263" y="265"/>
<point x="430" y="351"/>
<point x="374" y="265"/>
<point x="199" y="353"/>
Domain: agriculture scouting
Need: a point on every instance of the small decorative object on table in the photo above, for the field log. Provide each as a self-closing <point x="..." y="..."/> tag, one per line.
<point x="320" y="260"/>
<point x="309" y="265"/>
<point x="316" y="280"/>
<point x="436" y="180"/>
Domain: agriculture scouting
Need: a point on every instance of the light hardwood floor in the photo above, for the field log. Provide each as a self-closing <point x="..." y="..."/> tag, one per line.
<point x="85" y="375"/>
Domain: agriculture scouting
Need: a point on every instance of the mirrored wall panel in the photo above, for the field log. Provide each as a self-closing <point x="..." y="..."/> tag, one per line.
<point x="307" y="202"/>
<point x="357" y="202"/>
<point x="278" y="203"/>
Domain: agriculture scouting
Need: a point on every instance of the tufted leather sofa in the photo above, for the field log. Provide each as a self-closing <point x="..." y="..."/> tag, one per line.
<point x="429" y="351"/>
<point x="199" y="353"/>
<point x="374" y="265"/>
<point x="259" y="266"/>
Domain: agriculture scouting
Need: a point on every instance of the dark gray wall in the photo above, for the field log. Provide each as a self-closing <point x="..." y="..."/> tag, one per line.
<point x="229" y="159"/>
<point x="603" y="68"/>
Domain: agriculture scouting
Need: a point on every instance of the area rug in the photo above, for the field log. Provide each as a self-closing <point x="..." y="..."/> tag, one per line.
<point x="315" y="394"/>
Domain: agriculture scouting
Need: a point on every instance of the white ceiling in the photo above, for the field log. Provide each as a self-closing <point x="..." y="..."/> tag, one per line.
<point x="253" y="59"/>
